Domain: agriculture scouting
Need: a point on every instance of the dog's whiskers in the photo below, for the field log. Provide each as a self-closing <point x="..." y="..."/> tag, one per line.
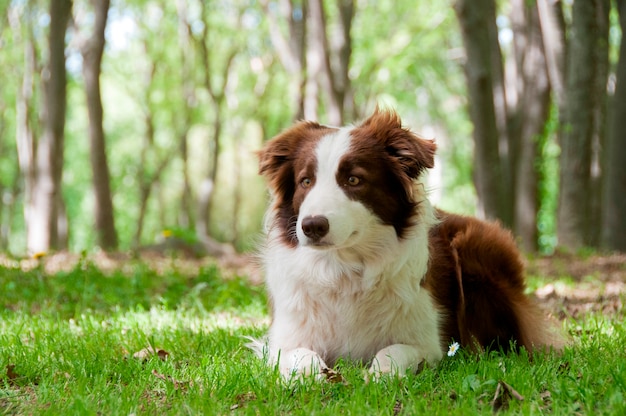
<point x="292" y="231"/>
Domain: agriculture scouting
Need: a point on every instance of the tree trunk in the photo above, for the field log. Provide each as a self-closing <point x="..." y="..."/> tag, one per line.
<point x="474" y="18"/>
<point x="343" y="39"/>
<point x="217" y="93"/>
<point x="311" y="102"/>
<point x="43" y="230"/>
<point x="290" y="48"/>
<point x="145" y="189"/>
<point x="573" y="216"/>
<point x="533" y="109"/>
<point x="552" y="24"/>
<point x="599" y="119"/>
<point x="508" y="138"/>
<point x="328" y="84"/>
<point x="147" y="180"/>
<point x="237" y="189"/>
<point x="4" y="206"/>
<point x="185" y="215"/>
<point x="25" y="136"/>
<point x="91" y="51"/>
<point x="614" y="223"/>
<point x="186" y="218"/>
<point x="207" y="188"/>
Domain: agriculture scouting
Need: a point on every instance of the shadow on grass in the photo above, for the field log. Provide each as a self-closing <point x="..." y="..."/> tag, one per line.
<point x="86" y="288"/>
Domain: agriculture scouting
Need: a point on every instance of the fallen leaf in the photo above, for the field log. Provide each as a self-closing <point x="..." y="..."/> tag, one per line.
<point x="18" y="380"/>
<point x="159" y="375"/>
<point x="146" y="353"/>
<point x="397" y="408"/>
<point x="502" y="397"/>
<point x="512" y="391"/>
<point x="546" y="398"/>
<point x="11" y="374"/>
<point x="333" y="376"/>
<point x="453" y="395"/>
<point x="177" y="383"/>
<point x="499" y="400"/>
<point x="242" y="399"/>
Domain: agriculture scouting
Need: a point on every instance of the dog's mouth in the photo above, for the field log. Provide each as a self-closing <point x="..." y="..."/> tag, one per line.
<point x="323" y="244"/>
<point x="320" y="244"/>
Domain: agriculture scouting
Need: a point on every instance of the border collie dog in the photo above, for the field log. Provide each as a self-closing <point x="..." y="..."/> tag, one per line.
<point x="360" y="267"/>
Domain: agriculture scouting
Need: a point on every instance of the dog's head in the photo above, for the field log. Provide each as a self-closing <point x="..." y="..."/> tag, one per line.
<point x="329" y="185"/>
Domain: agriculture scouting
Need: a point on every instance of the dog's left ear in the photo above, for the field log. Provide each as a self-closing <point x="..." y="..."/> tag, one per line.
<point x="413" y="153"/>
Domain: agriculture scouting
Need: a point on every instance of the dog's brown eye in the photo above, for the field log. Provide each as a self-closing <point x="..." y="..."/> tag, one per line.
<point x="353" y="181"/>
<point x="306" y="182"/>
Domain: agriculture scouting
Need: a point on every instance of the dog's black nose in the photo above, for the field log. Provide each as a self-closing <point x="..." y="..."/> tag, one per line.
<point x="315" y="227"/>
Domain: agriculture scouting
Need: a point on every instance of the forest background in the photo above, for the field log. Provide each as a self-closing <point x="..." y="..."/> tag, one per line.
<point x="132" y="122"/>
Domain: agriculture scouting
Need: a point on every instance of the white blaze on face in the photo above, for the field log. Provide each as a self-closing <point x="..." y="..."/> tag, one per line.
<point x="346" y="217"/>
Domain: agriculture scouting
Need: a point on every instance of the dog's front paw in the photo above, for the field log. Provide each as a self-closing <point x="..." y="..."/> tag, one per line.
<point x="394" y="360"/>
<point x="381" y="365"/>
<point x="301" y="362"/>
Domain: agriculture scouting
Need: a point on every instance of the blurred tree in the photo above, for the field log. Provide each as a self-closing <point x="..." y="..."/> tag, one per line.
<point x="45" y="212"/>
<point x="317" y="56"/>
<point x="164" y="95"/>
<point x="9" y="181"/>
<point x="553" y="25"/>
<point x="582" y="124"/>
<point x="190" y="89"/>
<point x="483" y="73"/>
<point x="19" y="58"/>
<point x="178" y="111"/>
<point x="91" y="49"/>
<point x="188" y="101"/>
<point x="604" y="70"/>
<point x="614" y="225"/>
<point x="290" y="44"/>
<point x="528" y="99"/>
<point x="509" y="116"/>
<point x="215" y="81"/>
<point x="148" y="177"/>
<point x="327" y="63"/>
<point x="26" y="125"/>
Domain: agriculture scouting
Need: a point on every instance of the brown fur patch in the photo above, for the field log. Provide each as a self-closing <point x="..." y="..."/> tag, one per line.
<point x="476" y="274"/>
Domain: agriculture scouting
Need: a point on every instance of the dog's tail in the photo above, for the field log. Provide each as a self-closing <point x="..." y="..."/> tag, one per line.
<point x="538" y="331"/>
<point x="493" y="308"/>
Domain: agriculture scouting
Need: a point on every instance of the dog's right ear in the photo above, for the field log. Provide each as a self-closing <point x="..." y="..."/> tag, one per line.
<point x="273" y="155"/>
<point x="276" y="158"/>
<point x="283" y="148"/>
<point x="280" y="150"/>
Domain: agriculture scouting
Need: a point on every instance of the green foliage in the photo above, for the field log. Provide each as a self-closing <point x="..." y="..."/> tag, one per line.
<point x="158" y="87"/>
<point x="548" y="188"/>
<point x="401" y="57"/>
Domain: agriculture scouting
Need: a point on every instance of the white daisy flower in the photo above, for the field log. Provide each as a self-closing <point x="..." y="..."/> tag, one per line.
<point x="452" y="350"/>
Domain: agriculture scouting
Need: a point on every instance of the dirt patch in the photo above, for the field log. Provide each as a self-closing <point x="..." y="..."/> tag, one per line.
<point x="600" y="268"/>
<point x="230" y="265"/>
<point x="575" y="285"/>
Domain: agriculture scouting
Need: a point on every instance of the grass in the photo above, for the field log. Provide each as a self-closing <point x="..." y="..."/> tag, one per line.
<point x="68" y="343"/>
